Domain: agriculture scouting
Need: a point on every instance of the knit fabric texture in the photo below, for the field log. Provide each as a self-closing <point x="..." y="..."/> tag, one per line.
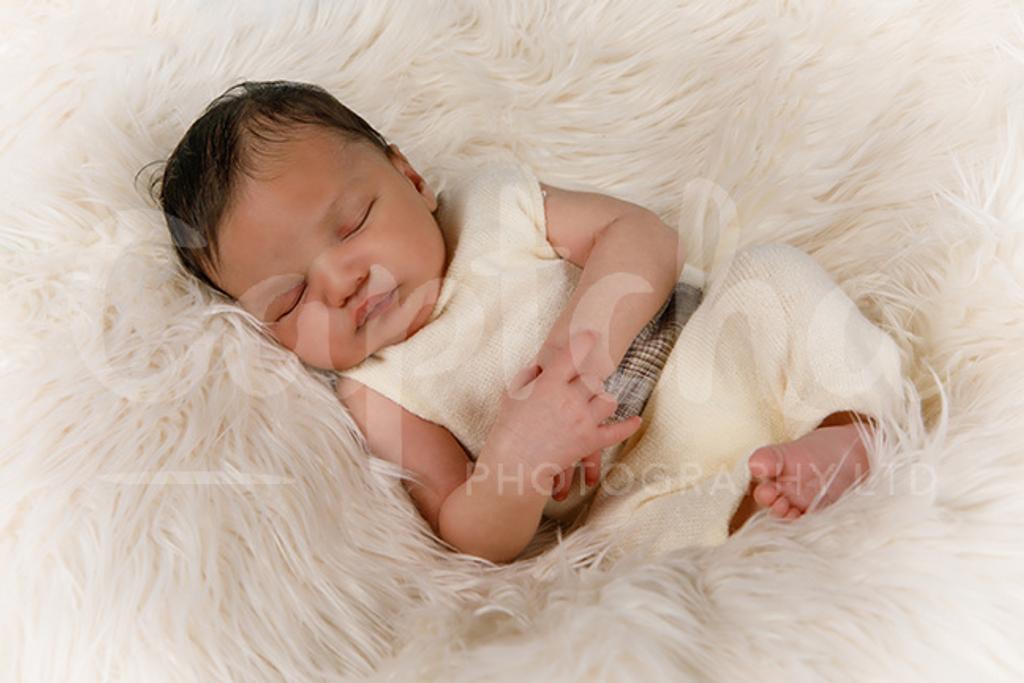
<point x="761" y="353"/>
<point x="774" y="348"/>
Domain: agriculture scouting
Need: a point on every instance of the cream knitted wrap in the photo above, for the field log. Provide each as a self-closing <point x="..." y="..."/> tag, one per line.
<point x="774" y="348"/>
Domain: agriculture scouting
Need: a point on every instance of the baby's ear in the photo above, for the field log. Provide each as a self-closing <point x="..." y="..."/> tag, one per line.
<point x="396" y="157"/>
<point x="406" y="169"/>
<point x="427" y="193"/>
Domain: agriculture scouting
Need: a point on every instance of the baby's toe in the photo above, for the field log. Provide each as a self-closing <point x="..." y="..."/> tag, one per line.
<point x="781" y="507"/>
<point x="793" y="513"/>
<point x="765" y="494"/>
<point x="765" y="463"/>
<point x="797" y="492"/>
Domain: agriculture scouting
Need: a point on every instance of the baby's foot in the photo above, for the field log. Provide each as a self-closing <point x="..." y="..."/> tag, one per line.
<point x="790" y="475"/>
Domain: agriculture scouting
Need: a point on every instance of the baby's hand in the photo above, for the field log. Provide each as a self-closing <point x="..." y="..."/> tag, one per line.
<point x="551" y="417"/>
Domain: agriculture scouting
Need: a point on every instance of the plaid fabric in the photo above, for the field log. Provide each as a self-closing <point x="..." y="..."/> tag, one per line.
<point x="632" y="382"/>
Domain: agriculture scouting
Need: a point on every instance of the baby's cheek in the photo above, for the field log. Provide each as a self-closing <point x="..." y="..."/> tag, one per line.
<point x="311" y="335"/>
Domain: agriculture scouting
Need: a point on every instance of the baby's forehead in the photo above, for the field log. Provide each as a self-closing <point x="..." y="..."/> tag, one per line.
<point x="309" y="165"/>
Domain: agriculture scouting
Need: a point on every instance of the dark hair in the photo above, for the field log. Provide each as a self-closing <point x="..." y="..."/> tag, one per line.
<point x="234" y="131"/>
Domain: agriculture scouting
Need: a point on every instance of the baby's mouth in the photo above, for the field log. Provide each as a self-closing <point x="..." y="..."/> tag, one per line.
<point x="371" y="305"/>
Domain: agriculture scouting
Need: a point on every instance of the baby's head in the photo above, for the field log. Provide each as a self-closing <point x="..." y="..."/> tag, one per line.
<point x="283" y="199"/>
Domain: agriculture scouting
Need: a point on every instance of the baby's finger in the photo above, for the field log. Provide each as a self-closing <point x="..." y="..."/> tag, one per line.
<point x="562" y="483"/>
<point x="545" y="355"/>
<point x="516" y="386"/>
<point x="619" y="431"/>
<point x="602" y="406"/>
<point x="592" y="467"/>
<point x="588" y="384"/>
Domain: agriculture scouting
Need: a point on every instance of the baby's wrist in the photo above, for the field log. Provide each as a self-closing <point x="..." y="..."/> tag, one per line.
<point x="511" y="474"/>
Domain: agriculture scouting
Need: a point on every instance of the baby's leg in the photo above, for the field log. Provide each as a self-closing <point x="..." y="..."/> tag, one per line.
<point x="838" y="361"/>
<point x="774" y="350"/>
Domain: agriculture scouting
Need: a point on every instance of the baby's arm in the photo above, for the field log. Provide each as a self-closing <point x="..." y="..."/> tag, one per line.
<point x="392" y="433"/>
<point x="493" y="514"/>
<point x="628" y="256"/>
<point x="496" y="512"/>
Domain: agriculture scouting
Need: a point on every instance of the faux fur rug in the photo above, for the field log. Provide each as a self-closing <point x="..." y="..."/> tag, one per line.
<point x="181" y="502"/>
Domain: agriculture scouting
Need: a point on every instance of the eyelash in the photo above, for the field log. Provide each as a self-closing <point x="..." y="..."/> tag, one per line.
<point x="298" y="299"/>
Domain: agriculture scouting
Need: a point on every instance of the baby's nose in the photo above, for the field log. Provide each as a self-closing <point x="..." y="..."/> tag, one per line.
<point x="353" y="293"/>
<point x="334" y="288"/>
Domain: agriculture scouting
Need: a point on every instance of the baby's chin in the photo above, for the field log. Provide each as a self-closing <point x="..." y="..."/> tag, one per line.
<point x="327" y="357"/>
<point x="347" y="357"/>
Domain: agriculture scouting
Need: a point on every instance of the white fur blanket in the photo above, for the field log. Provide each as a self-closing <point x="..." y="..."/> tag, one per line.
<point x="181" y="502"/>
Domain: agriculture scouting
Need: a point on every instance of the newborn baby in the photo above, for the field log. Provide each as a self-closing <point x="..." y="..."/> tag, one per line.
<point x="289" y="203"/>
